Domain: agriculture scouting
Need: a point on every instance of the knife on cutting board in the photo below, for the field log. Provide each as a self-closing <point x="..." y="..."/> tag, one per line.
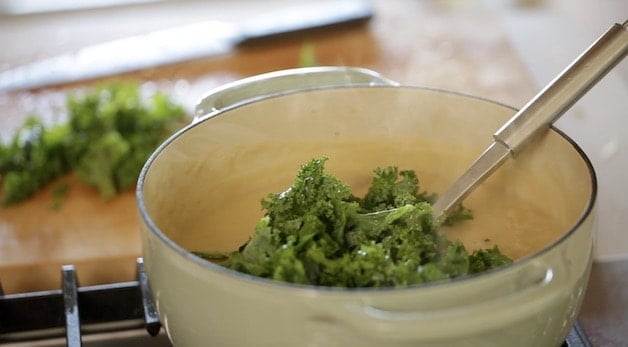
<point x="178" y="44"/>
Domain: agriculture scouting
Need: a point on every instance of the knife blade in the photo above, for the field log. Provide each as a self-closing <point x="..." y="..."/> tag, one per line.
<point x="178" y="44"/>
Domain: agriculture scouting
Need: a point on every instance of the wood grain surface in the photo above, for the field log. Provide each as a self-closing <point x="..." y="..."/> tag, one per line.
<point x="438" y="44"/>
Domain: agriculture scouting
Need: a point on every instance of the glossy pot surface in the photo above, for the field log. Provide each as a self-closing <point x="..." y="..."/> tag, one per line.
<point x="201" y="191"/>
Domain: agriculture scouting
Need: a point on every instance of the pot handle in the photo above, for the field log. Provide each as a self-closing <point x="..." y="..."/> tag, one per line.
<point x="284" y="81"/>
<point x="533" y="294"/>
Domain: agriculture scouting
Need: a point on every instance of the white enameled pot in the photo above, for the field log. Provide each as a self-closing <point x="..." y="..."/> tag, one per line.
<point x="201" y="191"/>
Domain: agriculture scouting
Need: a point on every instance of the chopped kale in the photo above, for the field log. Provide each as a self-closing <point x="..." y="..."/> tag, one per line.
<point x="486" y="259"/>
<point x="110" y="132"/>
<point x="318" y="233"/>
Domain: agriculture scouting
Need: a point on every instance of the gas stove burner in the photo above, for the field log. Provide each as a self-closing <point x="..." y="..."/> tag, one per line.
<point x="102" y="315"/>
<point x="73" y="311"/>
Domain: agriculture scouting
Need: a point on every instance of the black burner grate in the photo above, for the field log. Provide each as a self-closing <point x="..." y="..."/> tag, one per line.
<point x="73" y="311"/>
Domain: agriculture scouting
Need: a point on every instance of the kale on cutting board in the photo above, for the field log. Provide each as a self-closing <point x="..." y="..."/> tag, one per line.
<point x="110" y="133"/>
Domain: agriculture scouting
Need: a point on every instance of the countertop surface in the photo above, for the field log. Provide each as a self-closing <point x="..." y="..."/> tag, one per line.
<point x="499" y="50"/>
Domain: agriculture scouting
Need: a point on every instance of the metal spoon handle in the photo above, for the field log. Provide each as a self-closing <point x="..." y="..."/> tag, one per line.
<point x="557" y="97"/>
<point x="537" y="115"/>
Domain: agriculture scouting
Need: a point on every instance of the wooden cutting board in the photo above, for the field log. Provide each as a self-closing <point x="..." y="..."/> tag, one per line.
<point x="100" y="237"/>
<point x="446" y="45"/>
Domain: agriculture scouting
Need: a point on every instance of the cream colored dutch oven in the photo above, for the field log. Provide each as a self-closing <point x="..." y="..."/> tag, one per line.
<point x="201" y="191"/>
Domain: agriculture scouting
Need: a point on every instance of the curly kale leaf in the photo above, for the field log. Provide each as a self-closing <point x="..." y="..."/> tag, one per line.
<point x="315" y="211"/>
<point x="116" y="130"/>
<point x="486" y="259"/>
<point x="34" y="157"/>
<point x="100" y="161"/>
<point x="392" y="188"/>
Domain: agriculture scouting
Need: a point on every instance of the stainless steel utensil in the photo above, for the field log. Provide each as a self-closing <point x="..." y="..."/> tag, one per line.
<point x="536" y="117"/>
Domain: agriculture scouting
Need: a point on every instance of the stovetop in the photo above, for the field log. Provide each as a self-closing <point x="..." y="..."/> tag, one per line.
<point x="118" y="314"/>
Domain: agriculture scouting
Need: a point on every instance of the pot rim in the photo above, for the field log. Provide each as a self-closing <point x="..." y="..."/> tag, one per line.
<point x="208" y="265"/>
